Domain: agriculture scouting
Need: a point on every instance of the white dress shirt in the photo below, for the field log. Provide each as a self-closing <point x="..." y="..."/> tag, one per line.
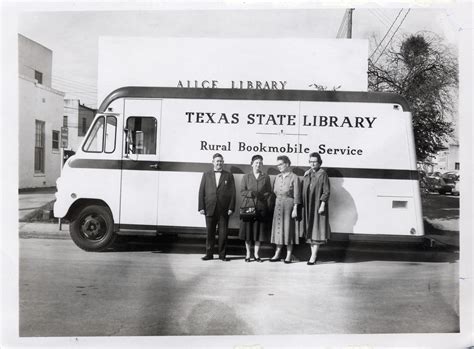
<point x="218" y="176"/>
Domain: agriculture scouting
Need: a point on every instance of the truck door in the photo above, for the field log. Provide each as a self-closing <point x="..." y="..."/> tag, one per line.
<point x="140" y="165"/>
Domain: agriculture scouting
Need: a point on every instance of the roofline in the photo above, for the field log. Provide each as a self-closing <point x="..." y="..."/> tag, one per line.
<point x="36" y="42"/>
<point x="248" y="94"/>
<point x="86" y="107"/>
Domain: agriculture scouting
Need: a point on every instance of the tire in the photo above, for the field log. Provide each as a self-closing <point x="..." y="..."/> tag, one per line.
<point x="93" y="228"/>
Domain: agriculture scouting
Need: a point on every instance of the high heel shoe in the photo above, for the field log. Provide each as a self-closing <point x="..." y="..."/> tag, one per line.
<point x="275" y="260"/>
<point x="287" y="262"/>
<point x="258" y="260"/>
<point x="311" y="263"/>
<point x="247" y="260"/>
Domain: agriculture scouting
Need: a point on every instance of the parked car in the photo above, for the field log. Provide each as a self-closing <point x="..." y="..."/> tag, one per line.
<point x="447" y="183"/>
<point x="431" y="182"/>
<point x="456" y="190"/>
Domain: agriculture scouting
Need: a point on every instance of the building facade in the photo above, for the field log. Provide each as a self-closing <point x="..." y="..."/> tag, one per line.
<point x="77" y="118"/>
<point x="447" y="159"/>
<point x="40" y="117"/>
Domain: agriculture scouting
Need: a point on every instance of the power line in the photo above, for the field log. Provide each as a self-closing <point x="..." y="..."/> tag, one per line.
<point x="342" y="26"/>
<point x="403" y="19"/>
<point x="84" y="91"/>
<point x="388" y="31"/>
<point x="73" y="88"/>
<point x="377" y="16"/>
<point x="383" y="16"/>
<point x="92" y="85"/>
<point x="72" y="85"/>
<point x="90" y="95"/>
<point x="86" y="94"/>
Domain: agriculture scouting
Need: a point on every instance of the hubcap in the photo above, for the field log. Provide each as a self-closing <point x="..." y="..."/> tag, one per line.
<point x="93" y="227"/>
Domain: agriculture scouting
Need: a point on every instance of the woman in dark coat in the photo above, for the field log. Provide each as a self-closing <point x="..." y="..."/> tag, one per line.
<point x="255" y="190"/>
<point x="316" y="190"/>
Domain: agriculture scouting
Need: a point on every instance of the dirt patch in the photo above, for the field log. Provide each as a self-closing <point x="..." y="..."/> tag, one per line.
<point x="41" y="214"/>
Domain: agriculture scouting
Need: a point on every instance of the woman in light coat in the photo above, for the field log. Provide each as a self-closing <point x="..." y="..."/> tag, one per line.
<point x="288" y="197"/>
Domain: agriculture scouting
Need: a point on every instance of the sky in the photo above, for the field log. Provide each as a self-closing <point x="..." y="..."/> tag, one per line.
<point x="73" y="35"/>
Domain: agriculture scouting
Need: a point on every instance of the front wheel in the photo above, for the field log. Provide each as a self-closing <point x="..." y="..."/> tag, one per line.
<point x="93" y="228"/>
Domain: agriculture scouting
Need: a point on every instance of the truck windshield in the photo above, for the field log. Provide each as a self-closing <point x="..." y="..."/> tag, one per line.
<point x="95" y="140"/>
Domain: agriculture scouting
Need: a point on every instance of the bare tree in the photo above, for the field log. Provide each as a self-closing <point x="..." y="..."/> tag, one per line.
<point x="424" y="70"/>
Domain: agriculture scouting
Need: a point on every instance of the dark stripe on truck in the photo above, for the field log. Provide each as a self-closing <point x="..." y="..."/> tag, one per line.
<point x="168" y="166"/>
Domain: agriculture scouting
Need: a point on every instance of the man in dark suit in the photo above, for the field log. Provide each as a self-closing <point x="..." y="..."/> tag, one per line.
<point x="217" y="203"/>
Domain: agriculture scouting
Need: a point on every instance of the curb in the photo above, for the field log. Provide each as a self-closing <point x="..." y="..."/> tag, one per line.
<point x="37" y="190"/>
<point x="40" y="214"/>
<point x="42" y="235"/>
<point x="43" y="230"/>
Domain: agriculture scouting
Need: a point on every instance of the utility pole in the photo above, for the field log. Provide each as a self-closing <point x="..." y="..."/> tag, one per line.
<point x="345" y="28"/>
<point x="349" y="23"/>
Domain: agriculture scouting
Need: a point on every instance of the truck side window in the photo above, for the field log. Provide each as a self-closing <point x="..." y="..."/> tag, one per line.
<point x="142" y="131"/>
<point x="110" y="134"/>
<point x="95" y="140"/>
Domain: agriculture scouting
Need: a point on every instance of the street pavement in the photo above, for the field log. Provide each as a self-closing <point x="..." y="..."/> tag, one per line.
<point x="159" y="286"/>
<point x="154" y="288"/>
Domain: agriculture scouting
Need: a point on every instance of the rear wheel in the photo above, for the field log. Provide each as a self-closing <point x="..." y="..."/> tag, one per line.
<point x="93" y="228"/>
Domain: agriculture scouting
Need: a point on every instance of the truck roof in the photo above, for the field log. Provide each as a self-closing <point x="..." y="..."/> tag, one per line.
<point x="243" y="94"/>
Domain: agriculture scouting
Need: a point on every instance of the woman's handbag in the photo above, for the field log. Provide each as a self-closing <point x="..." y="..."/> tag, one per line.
<point x="248" y="213"/>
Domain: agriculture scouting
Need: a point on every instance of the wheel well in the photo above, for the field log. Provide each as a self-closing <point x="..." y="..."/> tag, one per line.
<point x="80" y="204"/>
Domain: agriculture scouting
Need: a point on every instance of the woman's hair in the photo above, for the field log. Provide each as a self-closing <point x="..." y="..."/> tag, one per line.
<point x="256" y="157"/>
<point x="316" y="155"/>
<point x="285" y="159"/>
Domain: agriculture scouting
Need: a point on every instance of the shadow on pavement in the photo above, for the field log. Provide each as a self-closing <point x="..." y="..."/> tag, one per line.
<point x="333" y="252"/>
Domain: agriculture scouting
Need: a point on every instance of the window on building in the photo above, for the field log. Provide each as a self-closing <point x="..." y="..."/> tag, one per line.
<point x="65" y="121"/>
<point x="39" y="146"/>
<point x="456" y="165"/>
<point x="55" y="140"/>
<point x="39" y="76"/>
<point x="82" y="130"/>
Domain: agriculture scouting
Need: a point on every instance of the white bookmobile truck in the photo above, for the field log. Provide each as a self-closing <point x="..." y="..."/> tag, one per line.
<point x="140" y="165"/>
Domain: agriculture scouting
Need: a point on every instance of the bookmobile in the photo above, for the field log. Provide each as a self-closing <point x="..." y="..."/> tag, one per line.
<point x="140" y="165"/>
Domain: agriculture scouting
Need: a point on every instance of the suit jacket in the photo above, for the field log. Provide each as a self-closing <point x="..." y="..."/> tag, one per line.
<point x="220" y="196"/>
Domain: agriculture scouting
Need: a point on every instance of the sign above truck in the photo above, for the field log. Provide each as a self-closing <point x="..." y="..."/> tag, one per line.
<point x="260" y="64"/>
